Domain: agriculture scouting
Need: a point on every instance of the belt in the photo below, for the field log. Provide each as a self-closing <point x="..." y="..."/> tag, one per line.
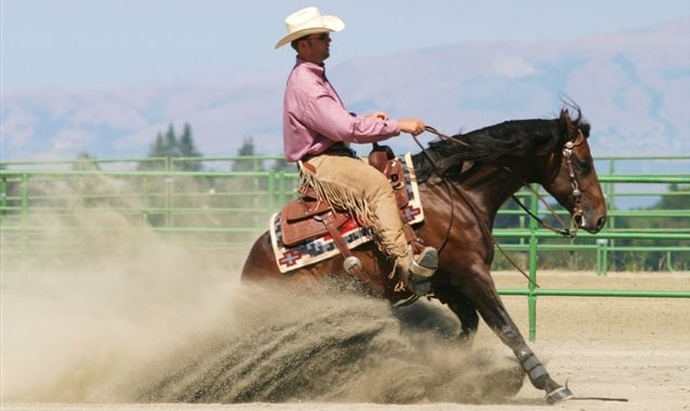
<point x="336" y="149"/>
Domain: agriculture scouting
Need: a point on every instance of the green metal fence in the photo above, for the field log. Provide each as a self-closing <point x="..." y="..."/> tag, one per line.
<point x="227" y="205"/>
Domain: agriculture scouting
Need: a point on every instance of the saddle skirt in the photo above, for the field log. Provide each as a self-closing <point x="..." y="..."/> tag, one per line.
<point x="300" y="238"/>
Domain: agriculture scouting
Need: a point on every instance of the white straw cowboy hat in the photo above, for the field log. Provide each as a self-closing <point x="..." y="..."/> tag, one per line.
<point x="309" y="21"/>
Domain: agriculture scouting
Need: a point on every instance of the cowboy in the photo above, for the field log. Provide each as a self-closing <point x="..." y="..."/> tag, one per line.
<point x="317" y="132"/>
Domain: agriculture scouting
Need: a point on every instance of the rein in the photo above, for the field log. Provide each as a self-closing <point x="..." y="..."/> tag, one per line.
<point x="566" y="231"/>
<point x="483" y="227"/>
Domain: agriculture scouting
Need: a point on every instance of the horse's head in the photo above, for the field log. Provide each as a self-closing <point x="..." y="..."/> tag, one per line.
<point x="553" y="153"/>
<point x="572" y="179"/>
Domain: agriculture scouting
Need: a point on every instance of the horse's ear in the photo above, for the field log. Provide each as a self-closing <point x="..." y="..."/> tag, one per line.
<point x="565" y="120"/>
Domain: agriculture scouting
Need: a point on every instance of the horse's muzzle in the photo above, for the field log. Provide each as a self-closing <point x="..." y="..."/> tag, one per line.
<point x="592" y="226"/>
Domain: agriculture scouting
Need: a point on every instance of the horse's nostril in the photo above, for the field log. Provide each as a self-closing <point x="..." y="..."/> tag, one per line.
<point x="601" y="222"/>
<point x="599" y="225"/>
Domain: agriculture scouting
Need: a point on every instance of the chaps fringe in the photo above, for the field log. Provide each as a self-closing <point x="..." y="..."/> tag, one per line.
<point x="342" y="198"/>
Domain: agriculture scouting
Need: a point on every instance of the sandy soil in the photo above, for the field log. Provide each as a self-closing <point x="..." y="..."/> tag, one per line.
<point x="629" y="354"/>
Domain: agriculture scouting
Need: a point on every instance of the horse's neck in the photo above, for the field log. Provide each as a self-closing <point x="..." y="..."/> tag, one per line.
<point x="492" y="185"/>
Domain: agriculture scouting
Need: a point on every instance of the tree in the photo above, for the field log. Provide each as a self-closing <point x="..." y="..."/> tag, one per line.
<point x="169" y="146"/>
<point x="85" y="162"/>
<point x="187" y="149"/>
<point x="158" y="147"/>
<point x="247" y="150"/>
<point x="186" y="144"/>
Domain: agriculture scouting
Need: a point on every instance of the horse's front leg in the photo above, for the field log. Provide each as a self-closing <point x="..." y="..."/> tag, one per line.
<point x="481" y="291"/>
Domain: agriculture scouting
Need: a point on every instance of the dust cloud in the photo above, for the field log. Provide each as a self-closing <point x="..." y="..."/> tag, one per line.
<point x="124" y="315"/>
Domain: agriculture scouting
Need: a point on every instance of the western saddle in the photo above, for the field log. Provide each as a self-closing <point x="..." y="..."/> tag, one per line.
<point x="308" y="217"/>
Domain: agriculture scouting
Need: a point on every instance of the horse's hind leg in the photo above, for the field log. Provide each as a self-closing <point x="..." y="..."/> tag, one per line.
<point x="466" y="313"/>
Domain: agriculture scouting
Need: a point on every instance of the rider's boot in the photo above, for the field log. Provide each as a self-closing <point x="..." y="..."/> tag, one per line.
<point x="416" y="270"/>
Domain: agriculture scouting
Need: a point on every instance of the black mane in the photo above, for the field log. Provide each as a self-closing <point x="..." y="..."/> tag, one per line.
<point x="500" y="144"/>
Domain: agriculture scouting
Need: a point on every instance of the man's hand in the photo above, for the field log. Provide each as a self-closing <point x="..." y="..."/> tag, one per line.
<point x="378" y="115"/>
<point x="412" y="126"/>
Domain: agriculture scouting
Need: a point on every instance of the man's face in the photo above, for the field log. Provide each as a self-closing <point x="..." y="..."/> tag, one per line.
<point x="315" y="47"/>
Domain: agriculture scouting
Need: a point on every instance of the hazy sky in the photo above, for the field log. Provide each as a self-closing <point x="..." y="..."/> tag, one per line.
<point x="69" y="43"/>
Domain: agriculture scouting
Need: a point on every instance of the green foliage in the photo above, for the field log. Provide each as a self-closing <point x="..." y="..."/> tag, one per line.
<point x="677" y="198"/>
<point x="85" y="162"/>
<point x="248" y="164"/>
<point x="625" y="254"/>
<point x="168" y="152"/>
<point x="179" y="152"/>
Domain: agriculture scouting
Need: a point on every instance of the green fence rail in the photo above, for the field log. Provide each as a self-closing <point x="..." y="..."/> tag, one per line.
<point x="227" y="204"/>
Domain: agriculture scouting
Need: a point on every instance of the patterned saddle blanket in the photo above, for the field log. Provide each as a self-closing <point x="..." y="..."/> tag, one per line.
<point x="296" y="249"/>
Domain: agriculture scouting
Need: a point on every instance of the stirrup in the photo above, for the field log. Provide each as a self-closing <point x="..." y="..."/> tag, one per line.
<point x="421" y="270"/>
<point x="426" y="263"/>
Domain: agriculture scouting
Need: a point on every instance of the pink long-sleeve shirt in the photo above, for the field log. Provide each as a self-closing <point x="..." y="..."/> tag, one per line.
<point x="314" y="117"/>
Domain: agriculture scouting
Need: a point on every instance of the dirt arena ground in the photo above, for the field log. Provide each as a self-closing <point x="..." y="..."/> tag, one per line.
<point x="122" y="320"/>
<point x="131" y="323"/>
<point x="629" y="354"/>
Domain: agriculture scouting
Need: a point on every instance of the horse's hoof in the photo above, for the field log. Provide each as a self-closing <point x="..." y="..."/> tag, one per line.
<point x="559" y="394"/>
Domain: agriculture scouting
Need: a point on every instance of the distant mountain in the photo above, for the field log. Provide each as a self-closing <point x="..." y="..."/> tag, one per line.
<point x="633" y="87"/>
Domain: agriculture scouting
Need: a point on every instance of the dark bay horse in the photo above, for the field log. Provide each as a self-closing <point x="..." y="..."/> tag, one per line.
<point x="463" y="181"/>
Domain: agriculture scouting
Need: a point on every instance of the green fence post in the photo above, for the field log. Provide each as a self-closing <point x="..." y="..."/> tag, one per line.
<point x="3" y="194"/>
<point x="145" y="199"/>
<point x="602" y="257"/>
<point x="282" y="187"/>
<point x="272" y="182"/>
<point x="169" y="181"/>
<point x="669" y="263"/>
<point x="533" y="242"/>
<point x="25" y="216"/>
<point x="610" y="220"/>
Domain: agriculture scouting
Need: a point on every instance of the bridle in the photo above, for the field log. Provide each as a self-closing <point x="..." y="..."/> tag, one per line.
<point x="566" y="231"/>
<point x="571" y="230"/>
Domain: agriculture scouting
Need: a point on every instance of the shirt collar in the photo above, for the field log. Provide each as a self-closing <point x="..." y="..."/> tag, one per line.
<point x="319" y="69"/>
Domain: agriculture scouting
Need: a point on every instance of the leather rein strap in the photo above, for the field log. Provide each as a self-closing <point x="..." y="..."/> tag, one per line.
<point x="470" y="203"/>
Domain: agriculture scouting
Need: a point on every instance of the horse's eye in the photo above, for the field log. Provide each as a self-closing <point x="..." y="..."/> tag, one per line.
<point x="584" y="164"/>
